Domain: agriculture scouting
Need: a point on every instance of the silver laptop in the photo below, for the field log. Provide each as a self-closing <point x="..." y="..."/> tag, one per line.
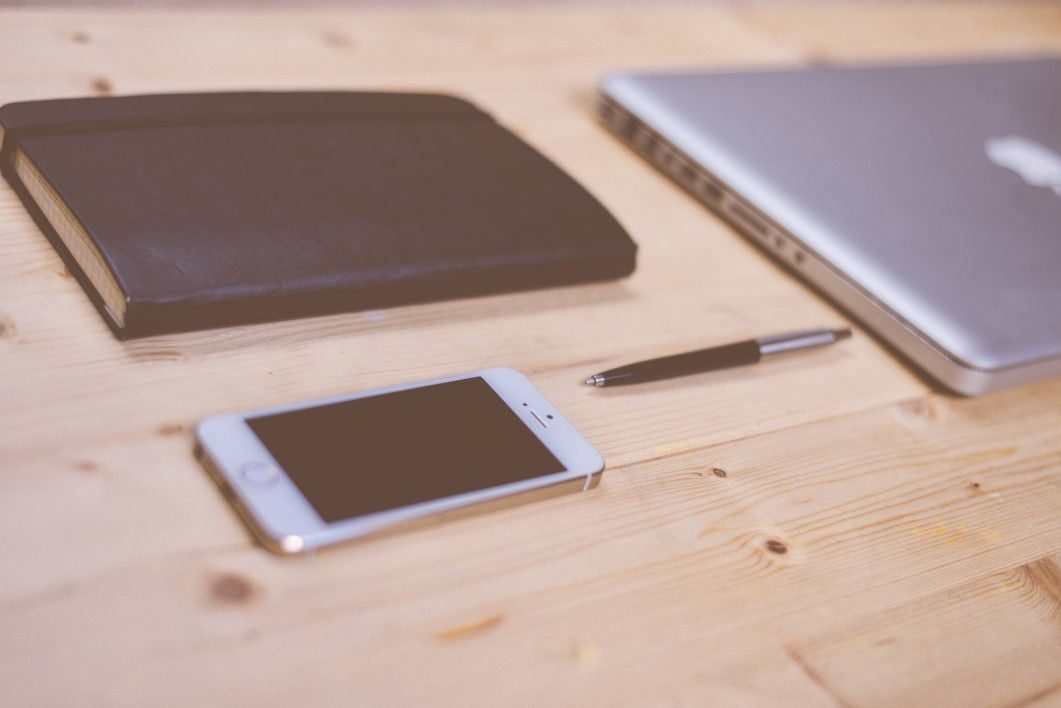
<point x="924" y="199"/>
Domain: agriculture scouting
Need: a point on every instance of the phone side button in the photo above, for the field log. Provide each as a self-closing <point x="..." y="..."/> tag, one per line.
<point x="260" y="474"/>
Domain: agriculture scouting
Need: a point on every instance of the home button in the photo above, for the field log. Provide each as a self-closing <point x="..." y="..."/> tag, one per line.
<point x="260" y="473"/>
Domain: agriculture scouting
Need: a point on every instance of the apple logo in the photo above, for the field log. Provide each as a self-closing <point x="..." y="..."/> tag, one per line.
<point x="1039" y="166"/>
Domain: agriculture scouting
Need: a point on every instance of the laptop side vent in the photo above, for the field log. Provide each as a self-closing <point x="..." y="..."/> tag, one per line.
<point x="695" y="179"/>
<point x="659" y="152"/>
<point x="700" y="183"/>
<point x="746" y="220"/>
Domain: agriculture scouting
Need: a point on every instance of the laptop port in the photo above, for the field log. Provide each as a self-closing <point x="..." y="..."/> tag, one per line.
<point x="748" y="220"/>
<point x="709" y="190"/>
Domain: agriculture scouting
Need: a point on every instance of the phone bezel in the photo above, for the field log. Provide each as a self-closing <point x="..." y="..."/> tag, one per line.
<point x="285" y="520"/>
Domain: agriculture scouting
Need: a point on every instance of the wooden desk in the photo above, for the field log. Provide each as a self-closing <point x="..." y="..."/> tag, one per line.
<point x="826" y="529"/>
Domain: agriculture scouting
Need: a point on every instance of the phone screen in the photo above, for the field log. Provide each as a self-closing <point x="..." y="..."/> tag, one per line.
<point x="395" y="449"/>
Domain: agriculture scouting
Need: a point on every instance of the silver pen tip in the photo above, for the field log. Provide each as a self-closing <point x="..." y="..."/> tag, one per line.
<point x="595" y="380"/>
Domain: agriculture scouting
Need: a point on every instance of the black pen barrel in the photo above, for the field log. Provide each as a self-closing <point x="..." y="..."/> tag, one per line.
<point x="723" y="357"/>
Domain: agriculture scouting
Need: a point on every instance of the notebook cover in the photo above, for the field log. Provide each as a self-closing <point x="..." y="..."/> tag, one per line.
<point x="217" y="209"/>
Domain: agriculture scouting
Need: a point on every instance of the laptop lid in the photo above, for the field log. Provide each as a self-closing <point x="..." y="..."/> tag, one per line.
<point x="937" y="189"/>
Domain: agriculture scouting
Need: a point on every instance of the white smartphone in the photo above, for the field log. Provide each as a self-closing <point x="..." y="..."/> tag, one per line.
<point x="316" y="473"/>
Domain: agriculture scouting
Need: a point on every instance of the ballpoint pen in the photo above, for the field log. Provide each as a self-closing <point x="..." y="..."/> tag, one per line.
<point x="721" y="357"/>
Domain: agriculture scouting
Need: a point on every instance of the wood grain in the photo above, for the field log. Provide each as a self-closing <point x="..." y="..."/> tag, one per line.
<point x="1008" y="619"/>
<point x="823" y="530"/>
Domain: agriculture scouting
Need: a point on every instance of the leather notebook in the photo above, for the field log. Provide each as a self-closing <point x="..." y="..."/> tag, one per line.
<point x="187" y="211"/>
